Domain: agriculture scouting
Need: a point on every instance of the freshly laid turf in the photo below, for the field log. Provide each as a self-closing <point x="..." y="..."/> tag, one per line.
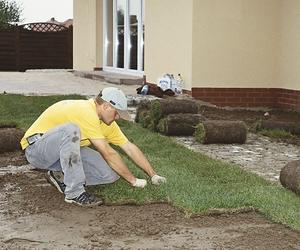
<point x="195" y="183"/>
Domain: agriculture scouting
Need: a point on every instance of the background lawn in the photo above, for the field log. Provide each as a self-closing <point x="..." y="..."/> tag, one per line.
<point x="195" y="183"/>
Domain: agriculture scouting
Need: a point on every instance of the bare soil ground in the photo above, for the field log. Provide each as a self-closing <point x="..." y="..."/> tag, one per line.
<point x="33" y="215"/>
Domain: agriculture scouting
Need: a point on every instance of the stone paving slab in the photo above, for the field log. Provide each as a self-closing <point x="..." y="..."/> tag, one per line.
<point x="258" y="155"/>
<point x="110" y="77"/>
<point x="55" y="82"/>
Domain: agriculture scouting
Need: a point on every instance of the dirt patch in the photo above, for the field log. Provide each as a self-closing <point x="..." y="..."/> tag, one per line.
<point x="10" y="138"/>
<point x="16" y="158"/>
<point x="33" y="215"/>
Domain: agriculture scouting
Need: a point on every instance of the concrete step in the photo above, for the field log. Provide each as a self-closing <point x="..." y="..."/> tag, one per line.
<point x="110" y="77"/>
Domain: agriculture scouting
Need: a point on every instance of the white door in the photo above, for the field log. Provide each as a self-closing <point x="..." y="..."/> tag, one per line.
<point x="123" y="38"/>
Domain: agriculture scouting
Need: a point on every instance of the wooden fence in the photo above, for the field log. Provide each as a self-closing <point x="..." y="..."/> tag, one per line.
<point x="35" y="46"/>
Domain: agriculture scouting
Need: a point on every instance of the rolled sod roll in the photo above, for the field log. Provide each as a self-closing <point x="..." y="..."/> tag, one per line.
<point x="292" y="127"/>
<point x="143" y="115"/>
<point x="10" y="139"/>
<point x="290" y="176"/>
<point x="163" y="107"/>
<point x="219" y="131"/>
<point x="179" y="124"/>
<point x="141" y="108"/>
<point x="145" y="120"/>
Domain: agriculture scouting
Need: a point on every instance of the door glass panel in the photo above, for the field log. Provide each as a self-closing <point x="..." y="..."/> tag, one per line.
<point x="120" y="32"/>
<point x="124" y="34"/>
<point x="134" y="18"/>
<point x="109" y="33"/>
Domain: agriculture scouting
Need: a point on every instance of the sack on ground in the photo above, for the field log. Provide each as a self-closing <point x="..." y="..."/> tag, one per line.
<point x="167" y="82"/>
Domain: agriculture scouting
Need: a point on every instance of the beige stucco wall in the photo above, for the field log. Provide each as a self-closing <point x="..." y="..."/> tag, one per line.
<point x="168" y="39"/>
<point x="289" y="60"/>
<point x="212" y="43"/>
<point x="235" y="43"/>
<point x="87" y="37"/>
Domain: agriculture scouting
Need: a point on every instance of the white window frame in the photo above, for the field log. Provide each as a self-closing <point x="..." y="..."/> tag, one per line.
<point x="140" y="47"/>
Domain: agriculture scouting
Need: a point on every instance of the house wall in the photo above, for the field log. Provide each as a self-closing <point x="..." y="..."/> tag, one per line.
<point x="235" y="43"/>
<point x="99" y="34"/>
<point x="87" y="34"/>
<point x="168" y="39"/>
<point x="289" y="56"/>
<point x="250" y="55"/>
<point x="289" y="61"/>
<point x="233" y="52"/>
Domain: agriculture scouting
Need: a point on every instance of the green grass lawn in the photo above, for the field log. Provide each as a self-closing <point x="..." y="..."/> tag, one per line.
<point x="196" y="183"/>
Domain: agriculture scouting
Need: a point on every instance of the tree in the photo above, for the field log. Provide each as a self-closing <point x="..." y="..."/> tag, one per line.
<point x="10" y="11"/>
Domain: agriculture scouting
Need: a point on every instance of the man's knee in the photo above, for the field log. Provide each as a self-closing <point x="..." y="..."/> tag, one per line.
<point x="73" y="130"/>
<point x="92" y="180"/>
<point x="114" y="177"/>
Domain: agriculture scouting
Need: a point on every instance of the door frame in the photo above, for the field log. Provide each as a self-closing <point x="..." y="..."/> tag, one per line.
<point x="140" y="47"/>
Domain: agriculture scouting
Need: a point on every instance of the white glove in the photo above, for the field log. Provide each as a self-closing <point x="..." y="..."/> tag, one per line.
<point x="157" y="180"/>
<point x="140" y="183"/>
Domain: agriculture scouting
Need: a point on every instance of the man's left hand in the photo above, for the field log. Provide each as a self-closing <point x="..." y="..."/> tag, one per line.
<point x="157" y="180"/>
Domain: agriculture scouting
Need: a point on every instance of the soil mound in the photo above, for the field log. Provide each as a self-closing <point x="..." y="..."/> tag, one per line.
<point x="10" y="139"/>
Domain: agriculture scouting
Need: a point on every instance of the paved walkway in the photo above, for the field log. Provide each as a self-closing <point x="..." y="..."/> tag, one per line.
<point x="49" y="82"/>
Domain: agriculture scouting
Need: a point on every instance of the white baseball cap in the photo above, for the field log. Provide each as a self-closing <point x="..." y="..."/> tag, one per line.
<point x="116" y="98"/>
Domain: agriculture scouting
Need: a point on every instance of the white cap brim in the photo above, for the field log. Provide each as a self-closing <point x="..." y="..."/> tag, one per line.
<point x="124" y="114"/>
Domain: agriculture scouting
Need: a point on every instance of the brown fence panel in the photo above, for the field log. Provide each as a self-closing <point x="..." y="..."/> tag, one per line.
<point x="7" y="47"/>
<point x="36" y="46"/>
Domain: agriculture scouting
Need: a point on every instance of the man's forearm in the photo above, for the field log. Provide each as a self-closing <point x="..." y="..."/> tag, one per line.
<point x="115" y="161"/>
<point x="139" y="158"/>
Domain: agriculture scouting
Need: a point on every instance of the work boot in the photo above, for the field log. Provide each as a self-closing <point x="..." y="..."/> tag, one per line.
<point x="85" y="199"/>
<point x="61" y="187"/>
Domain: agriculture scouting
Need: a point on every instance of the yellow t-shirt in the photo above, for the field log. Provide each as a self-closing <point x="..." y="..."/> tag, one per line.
<point x="80" y="112"/>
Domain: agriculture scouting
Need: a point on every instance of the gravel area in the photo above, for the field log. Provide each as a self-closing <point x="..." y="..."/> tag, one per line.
<point x="258" y="155"/>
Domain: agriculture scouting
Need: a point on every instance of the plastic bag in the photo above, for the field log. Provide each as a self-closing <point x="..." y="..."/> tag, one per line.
<point x="167" y="82"/>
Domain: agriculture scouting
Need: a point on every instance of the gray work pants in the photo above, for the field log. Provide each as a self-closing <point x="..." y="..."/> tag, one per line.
<point x="59" y="150"/>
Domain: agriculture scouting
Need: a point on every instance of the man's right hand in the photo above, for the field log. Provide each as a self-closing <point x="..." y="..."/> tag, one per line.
<point x="140" y="183"/>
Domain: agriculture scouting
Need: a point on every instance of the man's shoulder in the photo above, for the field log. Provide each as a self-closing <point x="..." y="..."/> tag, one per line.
<point x="76" y="101"/>
<point x="74" y="104"/>
<point x="70" y="103"/>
